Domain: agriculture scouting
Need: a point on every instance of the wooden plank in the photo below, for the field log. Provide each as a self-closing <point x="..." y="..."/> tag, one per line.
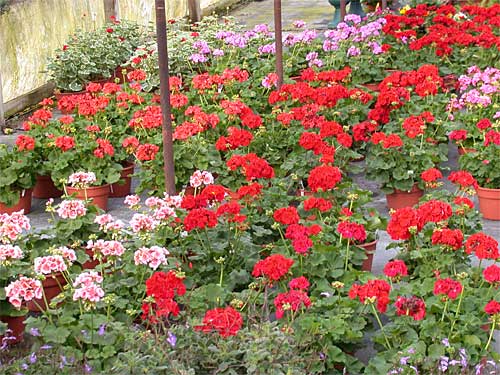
<point x="2" y="112"/>
<point x="29" y="99"/>
<point x="109" y="9"/>
<point x="194" y="11"/>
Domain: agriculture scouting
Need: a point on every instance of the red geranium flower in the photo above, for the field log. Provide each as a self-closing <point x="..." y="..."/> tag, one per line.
<point x="299" y="283"/>
<point x="200" y="218"/>
<point x="452" y="238"/>
<point x="492" y="274"/>
<point x="448" y="287"/>
<point x="464" y="179"/>
<point x="25" y="142"/>
<point x="413" y="306"/>
<point x="286" y="215"/>
<point x="484" y="246"/>
<point x="352" y="231"/>
<point x="291" y="300"/>
<point x="403" y="223"/>
<point x="226" y="321"/>
<point x="65" y="142"/>
<point x="324" y="177"/>
<point x="274" y="267"/>
<point x="492" y="308"/>
<point x="377" y="289"/>
<point x="395" y="269"/>
<point x="147" y="152"/>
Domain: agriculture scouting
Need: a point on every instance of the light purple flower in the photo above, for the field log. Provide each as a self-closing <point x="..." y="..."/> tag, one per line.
<point x="46" y="347"/>
<point x="87" y="368"/>
<point x="353" y="51"/>
<point x="311" y="56"/>
<point x="262" y="28"/>
<point x="299" y="24"/>
<point x="171" y="339"/>
<point x="33" y="358"/>
<point x="35" y="332"/>
<point x="102" y="330"/>
<point x="198" y="58"/>
<point x="445" y="342"/>
<point x="267" y="49"/>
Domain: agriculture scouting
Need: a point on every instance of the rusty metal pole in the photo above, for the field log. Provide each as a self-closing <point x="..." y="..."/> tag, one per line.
<point x="342" y="10"/>
<point x="278" y="40"/>
<point x="168" y="149"/>
<point x="109" y="9"/>
<point x="384" y="4"/>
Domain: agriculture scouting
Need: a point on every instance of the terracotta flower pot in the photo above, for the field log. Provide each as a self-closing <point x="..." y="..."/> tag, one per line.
<point x="465" y="150"/>
<point x="122" y="188"/>
<point x="489" y="202"/>
<point x="97" y="194"/>
<point x="372" y="86"/>
<point x="369" y="248"/>
<point x="400" y="199"/>
<point x="52" y="286"/>
<point x="24" y="203"/>
<point x="16" y="325"/>
<point x="45" y="188"/>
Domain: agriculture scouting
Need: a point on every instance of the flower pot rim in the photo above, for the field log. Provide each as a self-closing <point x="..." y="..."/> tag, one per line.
<point x="487" y="189"/>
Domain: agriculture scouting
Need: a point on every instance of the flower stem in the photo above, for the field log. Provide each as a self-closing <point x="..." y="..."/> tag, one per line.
<point x="347" y="256"/>
<point x="491" y="335"/>
<point x="381" y="326"/>
<point x="456" y="313"/>
<point x="444" y="310"/>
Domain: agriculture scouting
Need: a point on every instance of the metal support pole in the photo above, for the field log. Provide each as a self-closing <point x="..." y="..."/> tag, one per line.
<point x="384" y="4"/>
<point x="168" y="149"/>
<point x="278" y="40"/>
<point x="194" y="11"/>
<point x="342" y="10"/>
<point x="2" y="112"/>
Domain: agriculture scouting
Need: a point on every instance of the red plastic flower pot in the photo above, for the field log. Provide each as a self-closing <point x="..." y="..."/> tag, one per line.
<point x="489" y="203"/>
<point x="24" y="203"/>
<point x="122" y="188"/>
<point x="45" y="188"/>
<point x="400" y="199"/>
<point x="98" y="195"/>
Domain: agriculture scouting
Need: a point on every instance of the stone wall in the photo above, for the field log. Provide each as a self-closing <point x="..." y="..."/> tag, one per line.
<point x="32" y="29"/>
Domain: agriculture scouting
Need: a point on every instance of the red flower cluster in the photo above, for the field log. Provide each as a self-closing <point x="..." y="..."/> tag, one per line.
<point x="237" y="138"/>
<point x="65" y="143"/>
<point x="286" y="215"/>
<point x="321" y="204"/>
<point x="484" y="246"/>
<point x="147" y="118"/>
<point x="395" y="269"/>
<point x="448" y="287"/>
<point x="492" y="274"/>
<point x="146" y="152"/>
<point x="225" y="321"/>
<point x="25" y="143"/>
<point x="373" y="289"/>
<point x="403" y="223"/>
<point x="492" y="308"/>
<point x="251" y="165"/>
<point x="251" y="190"/>
<point x="299" y="234"/>
<point x="352" y="231"/>
<point x="274" y="267"/>
<point x="200" y="218"/>
<point x="324" y="177"/>
<point x="299" y="283"/>
<point x="200" y="122"/>
<point x="430" y="177"/>
<point x="162" y="287"/>
<point x="450" y="238"/>
<point x="231" y="211"/>
<point x="458" y="135"/>
<point x="415" y="125"/>
<point x="104" y="148"/>
<point x="433" y="211"/>
<point x="291" y="300"/>
<point x="463" y="179"/>
<point x="413" y="306"/>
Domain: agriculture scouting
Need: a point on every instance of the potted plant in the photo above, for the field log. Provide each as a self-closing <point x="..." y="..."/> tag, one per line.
<point x="396" y="161"/>
<point x="12" y="263"/>
<point x="482" y="163"/>
<point x="94" y="55"/>
<point x="18" y="175"/>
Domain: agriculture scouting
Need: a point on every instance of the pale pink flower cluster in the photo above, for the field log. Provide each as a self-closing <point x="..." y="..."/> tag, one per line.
<point x="201" y="178"/>
<point x="71" y="209"/>
<point x="152" y="256"/>
<point x="82" y="179"/>
<point x="66" y="253"/>
<point x="50" y="264"/>
<point x="132" y="200"/>
<point x="11" y="226"/>
<point x="88" y="290"/>
<point x="164" y="212"/>
<point x="142" y="222"/>
<point x="8" y="252"/>
<point x="106" y="248"/>
<point x="172" y="200"/>
<point x="23" y="289"/>
<point x="107" y="223"/>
